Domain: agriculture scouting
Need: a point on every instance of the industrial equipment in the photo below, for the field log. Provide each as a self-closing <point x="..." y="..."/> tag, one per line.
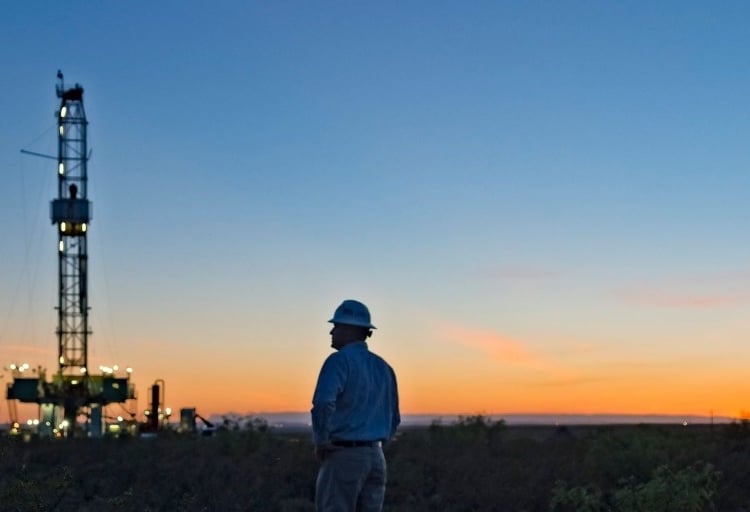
<point x="74" y="390"/>
<point x="157" y="417"/>
<point x="188" y="415"/>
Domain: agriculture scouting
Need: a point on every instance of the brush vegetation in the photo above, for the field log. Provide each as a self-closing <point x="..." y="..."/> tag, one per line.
<point x="472" y="465"/>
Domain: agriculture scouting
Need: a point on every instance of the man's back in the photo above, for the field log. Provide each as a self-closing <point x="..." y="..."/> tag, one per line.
<point x="357" y="394"/>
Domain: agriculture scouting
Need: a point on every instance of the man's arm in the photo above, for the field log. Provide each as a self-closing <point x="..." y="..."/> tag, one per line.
<point x="395" y="413"/>
<point x="329" y="386"/>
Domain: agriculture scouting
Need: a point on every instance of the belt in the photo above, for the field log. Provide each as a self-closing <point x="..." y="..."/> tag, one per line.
<point x="355" y="444"/>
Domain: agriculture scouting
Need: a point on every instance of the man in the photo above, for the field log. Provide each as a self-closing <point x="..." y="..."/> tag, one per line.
<point x="355" y="411"/>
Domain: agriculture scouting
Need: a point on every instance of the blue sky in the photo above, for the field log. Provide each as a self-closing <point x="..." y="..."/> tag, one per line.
<point x="566" y="177"/>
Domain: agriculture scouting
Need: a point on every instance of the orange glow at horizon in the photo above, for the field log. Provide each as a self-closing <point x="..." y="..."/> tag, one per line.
<point x="467" y="371"/>
<point x="438" y="396"/>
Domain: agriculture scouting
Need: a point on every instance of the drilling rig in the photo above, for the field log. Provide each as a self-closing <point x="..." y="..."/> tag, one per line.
<point x="73" y="390"/>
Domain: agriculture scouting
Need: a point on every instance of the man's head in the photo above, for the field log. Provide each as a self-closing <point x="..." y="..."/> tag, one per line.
<point x="351" y="322"/>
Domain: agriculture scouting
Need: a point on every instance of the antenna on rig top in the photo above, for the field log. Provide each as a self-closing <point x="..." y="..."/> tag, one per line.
<point x="61" y="86"/>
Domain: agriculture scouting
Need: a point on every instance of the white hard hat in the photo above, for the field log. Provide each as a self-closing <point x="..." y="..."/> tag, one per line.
<point x="352" y="312"/>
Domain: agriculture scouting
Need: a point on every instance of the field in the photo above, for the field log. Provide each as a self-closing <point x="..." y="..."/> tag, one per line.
<point x="471" y="465"/>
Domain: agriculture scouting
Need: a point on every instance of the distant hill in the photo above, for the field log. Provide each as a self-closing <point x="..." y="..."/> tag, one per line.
<point x="301" y="420"/>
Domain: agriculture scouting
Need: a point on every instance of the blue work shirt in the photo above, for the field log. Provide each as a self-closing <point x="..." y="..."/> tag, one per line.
<point x="356" y="398"/>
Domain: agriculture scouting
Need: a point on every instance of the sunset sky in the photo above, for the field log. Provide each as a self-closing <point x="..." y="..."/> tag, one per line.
<point x="544" y="204"/>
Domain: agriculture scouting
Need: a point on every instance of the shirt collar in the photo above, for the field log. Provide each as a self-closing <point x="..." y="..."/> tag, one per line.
<point x="355" y="345"/>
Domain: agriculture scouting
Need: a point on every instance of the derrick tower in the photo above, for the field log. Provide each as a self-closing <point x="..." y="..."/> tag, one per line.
<point x="71" y="212"/>
<point x="74" y="389"/>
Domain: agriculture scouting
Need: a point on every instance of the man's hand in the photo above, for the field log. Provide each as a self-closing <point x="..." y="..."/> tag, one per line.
<point x="322" y="451"/>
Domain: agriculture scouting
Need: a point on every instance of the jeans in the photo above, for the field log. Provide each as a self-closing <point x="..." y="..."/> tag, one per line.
<point x="351" y="480"/>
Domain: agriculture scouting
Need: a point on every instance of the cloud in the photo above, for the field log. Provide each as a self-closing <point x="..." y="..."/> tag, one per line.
<point x="543" y="369"/>
<point x="674" y="299"/>
<point x="739" y="276"/>
<point x="581" y="348"/>
<point x="572" y="381"/>
<point x="698" y="291"/>
<point x="520" y="273"/>
<point x="498" y="346"/>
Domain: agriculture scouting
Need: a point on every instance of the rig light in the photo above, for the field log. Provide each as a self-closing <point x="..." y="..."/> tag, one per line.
<point x="83" y="227"/>
<point x="61" y="246"/>
<point x="63" y="111"/>
<point x="63" y="227"/>
<point x="61" y="168"/>
<point x="62" y="130"/>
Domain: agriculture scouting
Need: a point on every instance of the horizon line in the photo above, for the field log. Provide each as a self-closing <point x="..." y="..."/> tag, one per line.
<point x="518" y="418"/>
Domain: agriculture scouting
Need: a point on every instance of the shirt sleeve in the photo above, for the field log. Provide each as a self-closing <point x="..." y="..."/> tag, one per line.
<point x="330" y="385"/>
<point x="396" y="413"/>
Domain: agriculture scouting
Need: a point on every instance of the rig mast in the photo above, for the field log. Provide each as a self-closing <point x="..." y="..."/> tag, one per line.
<point x="71" y="211"/>
<point x="74" y="390"/>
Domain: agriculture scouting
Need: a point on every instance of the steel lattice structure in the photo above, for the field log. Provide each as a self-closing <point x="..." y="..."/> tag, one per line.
<point x="71" y="211"/>
<point x="73" y="390"/>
